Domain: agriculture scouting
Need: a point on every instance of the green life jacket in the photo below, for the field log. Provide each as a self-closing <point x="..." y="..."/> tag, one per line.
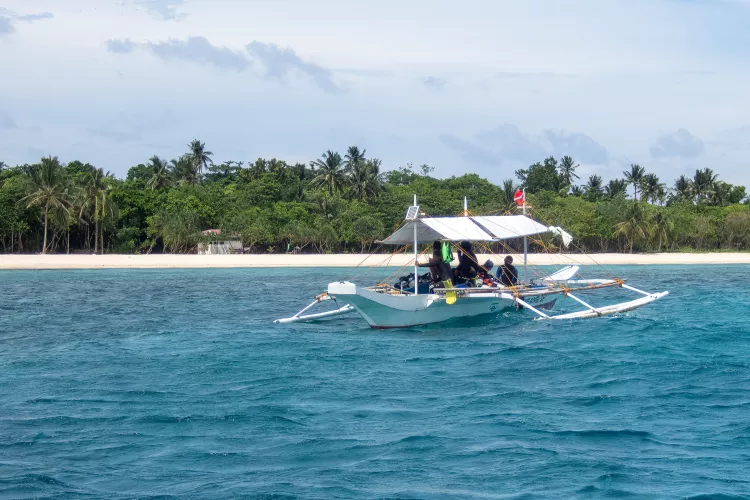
<point x="447" y="252"/>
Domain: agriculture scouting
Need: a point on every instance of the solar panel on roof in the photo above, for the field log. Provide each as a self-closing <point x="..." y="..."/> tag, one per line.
<point x="412" y="213"/>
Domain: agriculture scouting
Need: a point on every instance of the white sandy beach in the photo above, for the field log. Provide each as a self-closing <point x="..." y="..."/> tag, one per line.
<point x="10" y="261"/>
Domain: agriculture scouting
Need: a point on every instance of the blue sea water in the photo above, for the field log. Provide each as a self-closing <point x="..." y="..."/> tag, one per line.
<point x="175" y="383"/>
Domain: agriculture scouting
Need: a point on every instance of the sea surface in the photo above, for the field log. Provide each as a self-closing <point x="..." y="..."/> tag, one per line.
<point x="176" y="383"/>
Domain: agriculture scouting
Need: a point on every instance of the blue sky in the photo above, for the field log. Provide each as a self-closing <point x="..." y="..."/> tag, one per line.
<point x="483" y="86"/>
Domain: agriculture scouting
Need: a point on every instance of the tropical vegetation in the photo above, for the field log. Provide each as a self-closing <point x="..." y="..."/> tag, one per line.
<point x="345" y="203"/>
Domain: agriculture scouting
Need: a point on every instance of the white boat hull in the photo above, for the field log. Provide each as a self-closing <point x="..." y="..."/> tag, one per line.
<point x="400" y="311"/>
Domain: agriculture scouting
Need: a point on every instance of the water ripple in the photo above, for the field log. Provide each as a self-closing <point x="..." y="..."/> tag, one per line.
<point x="175" y="384"/>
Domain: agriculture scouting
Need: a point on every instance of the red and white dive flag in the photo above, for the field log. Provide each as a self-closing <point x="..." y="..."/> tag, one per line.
<point x="519" y="197"/>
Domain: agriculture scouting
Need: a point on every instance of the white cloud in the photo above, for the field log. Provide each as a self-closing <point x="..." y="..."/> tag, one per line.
<point x="680" y="143"/>
<point x="9" y="20"/>
<point x="507" y="145"/>
<point x="418" y="86"/>
<point x="583" y="147"/>
<point x="278" y="62"/>
<point x="168" y="10"/>
<point x="194" y="49"/>
<point x="272" y="62"/>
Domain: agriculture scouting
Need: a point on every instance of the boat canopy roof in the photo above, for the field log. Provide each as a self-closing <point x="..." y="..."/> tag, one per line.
<point x="504" y="227"/>
<point x="491" y="228"/>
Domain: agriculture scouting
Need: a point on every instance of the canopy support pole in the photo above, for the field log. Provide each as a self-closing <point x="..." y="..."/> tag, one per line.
<point x="525" y="245"/>
<point x="416" y="250"/>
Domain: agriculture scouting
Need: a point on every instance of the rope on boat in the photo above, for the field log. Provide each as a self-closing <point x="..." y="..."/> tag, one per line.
<point x="543" y="219"/>
<point x="512" y="287"/>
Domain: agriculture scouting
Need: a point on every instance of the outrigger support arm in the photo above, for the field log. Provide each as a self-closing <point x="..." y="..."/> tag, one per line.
<point x="613" y="309"/>
<point x="585" y="304"/>
<point x="635" y="290"/>
<point x="347" y="308"/>
<point x="524" y="304"/>
<point x="591" y="311"/>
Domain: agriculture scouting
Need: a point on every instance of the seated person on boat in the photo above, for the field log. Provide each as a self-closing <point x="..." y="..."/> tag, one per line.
<point x="486" y="277"/>
<point x="507" y="273"/>
<point x="439" y="269"/>
<point x="468" y="267"/>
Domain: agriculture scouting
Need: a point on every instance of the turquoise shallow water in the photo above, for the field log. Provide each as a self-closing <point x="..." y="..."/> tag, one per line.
<point x="175" y="383"/>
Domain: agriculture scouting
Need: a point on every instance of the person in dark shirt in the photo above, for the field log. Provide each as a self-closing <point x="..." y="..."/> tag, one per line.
<point x="507" y="273"/>
<point x="439" y="270"/>
<point x="467" y="267"/>
<point x="486" y="276"/>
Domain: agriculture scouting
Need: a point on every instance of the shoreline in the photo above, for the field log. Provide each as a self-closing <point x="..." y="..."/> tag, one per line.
<point x="177" y="261"/>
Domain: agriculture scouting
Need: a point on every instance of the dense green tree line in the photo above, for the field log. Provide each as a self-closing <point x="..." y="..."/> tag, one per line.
<point x="701" y="212"/>
<point x="344" y="203"/>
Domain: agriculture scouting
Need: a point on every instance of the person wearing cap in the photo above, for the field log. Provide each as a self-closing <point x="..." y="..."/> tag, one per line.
<point x="507" y="273"/>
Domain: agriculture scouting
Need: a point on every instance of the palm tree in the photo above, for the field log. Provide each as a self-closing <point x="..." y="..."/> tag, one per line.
<point x="184" y="170"/>
<point x="508" y="193"/>
<point x="683" y="187"/>
<point x="364" y="179"/>
<point x="593" y="187"/>
<point x="300" y="175"/>
<point x="651" y="188"/>
<point x="330" y="172"/>
<point x="96" y="197"/>
<point x="615" y="188"/>
<point x="576" y="191"/>
<point x="354" y="157"/>
<point x="703" y="183"/>
<point x="358" y="178"/>
<point x="199" y="156"/>
<point x="47" y="189"/>
<point x="634" y="176"/>
<point x="359" y="172"/>
<point x="77" y="208"/>
<point x="568" y="171"/>
<point x="661" y="194"/>
<point x="721" y="193"/>
<point x="374" y="177"/>
<point x="634" y="226"/>
<point x="160" y="173"/>
<point x="662" y="226"/>
<point x="63" y="218"/>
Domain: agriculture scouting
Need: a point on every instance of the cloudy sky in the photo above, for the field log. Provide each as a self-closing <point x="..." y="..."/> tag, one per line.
<point x="482" y="86"/>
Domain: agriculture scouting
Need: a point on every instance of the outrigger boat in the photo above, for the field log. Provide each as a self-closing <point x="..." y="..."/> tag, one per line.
<point x="390" y="306"/>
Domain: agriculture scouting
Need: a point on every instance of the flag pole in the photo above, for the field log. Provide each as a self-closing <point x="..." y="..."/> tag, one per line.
<point x="525" y="243"/>
<point x="416" y="253"/>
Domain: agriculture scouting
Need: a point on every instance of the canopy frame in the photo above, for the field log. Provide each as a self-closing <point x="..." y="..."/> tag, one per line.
<point x="490" y="229"/>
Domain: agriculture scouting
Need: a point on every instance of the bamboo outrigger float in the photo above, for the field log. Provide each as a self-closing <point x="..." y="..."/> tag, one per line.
<point x="386" y="306"/>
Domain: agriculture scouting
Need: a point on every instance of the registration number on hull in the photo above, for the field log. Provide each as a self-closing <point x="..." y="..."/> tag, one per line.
<point x="535" y="299"/>
<point x="539" y="300"/>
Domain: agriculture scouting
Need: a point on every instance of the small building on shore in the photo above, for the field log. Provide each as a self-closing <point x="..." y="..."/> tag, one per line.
<point x="215" y="244"/>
